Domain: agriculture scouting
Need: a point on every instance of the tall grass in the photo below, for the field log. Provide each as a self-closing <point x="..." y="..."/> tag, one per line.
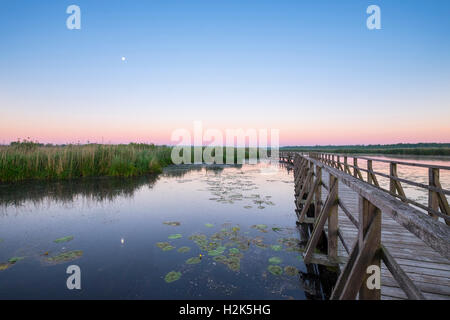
<point x="28" y="160"/>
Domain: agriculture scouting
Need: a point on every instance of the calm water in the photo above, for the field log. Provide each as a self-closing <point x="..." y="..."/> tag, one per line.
<point x="236" y="217"/>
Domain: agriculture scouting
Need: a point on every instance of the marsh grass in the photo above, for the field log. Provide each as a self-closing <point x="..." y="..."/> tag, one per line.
<point x="28" y="160"/>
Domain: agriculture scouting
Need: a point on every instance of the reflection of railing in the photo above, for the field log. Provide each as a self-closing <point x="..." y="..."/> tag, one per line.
<point x="373" y="200"/>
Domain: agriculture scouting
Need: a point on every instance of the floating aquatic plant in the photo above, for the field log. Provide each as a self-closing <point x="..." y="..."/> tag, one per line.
<point x="260" y="227"/>
<point x="234" y="250"/>
<point x="233" y="263"/>
<point x="290" y="271"/>
<point x="4" y="266"/>
<point x="15" y="259"/>
<point x="220" y="258"/>
<point x="209" y="225"/>
<point x="276" y="247"/>
<point x="65" y="256"/>
<point x="275" y="260"/>
<point x="63" y="239"/>
<point x="172" y="276"/>
<point x="275" y="270"/>
<point x="175" y="236"/>
<point x="184" y="249"/>
<point x="194" y="260"/>
<point x="165" y="246"/>
<point x="172" y="223"/>
<point x="218" y="251"/>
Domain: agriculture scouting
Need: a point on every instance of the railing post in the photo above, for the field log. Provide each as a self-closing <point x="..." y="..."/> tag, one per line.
<point x="369" y="174"/>
<point x="333" y="223"/>
<point x="394" y="185"/>
<point x="433" y="197"/>
<point x="392" y="172"/>
<point x="369" y="217"/>
<point x="355" y="167"/>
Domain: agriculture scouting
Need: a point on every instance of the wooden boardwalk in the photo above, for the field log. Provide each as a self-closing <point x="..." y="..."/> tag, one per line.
<point x="427" y="268"/>
<point x="365" y="225"/>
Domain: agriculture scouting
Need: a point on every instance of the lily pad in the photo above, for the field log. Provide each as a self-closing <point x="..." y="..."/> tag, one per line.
<point x="290" y="271"/>
<point x="275" y="270"/>
<point x="233" y="263"/>
<point x="184" y="249"/>
<point x="165" y="246"/>
<point x="220" y="258"/>
<point x="260" y="227"/>
<point x="172" y="276"/>
<point x="15" y="259"/>
<point x="275" y="260"/>
<point x="63" y="239"/>
<point x="175" y="236"/>
<point x="172" y="223"/>
<point x="65" y="256"/>
<point x="4" y="266"/>
<point x="209" y="225"/>
<point x="194" y="260"/>
<point x="234" y="250"/>
<point x="276" y="247"/>
<point x="217" y="251"/>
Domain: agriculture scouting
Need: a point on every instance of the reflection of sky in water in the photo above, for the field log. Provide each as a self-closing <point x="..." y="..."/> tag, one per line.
<point x="118" y="222"/>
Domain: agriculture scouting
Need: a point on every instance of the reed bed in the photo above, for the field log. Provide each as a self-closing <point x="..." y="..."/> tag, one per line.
<point x="24" y="161"/>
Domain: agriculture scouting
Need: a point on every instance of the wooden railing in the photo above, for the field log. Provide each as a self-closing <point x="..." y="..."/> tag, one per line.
<point x="437" y="207"/>
<point x="373" y="202"/>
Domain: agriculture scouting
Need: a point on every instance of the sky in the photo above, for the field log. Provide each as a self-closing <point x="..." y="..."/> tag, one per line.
<point x="311" y="69"/>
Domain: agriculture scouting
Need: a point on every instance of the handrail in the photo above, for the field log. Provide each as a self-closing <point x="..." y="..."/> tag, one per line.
<point x="437" y="206"/>
<point x="413" y="164"/>
<point x="374" y="201"/>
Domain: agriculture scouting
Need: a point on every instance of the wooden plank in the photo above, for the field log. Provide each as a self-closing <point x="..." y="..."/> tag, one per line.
<point x="411" y="291"/>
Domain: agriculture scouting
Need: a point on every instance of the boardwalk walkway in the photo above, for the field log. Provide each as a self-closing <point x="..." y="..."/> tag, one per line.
<point x="427" y="268"/>
<point x="366" y="225"/>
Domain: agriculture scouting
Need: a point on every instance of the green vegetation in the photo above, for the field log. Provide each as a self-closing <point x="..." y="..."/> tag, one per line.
<point x="172" y="276"/>
<point x="194" y="260"/>
<point x="275" y="270"/>
<point x="65" y="256"/>
<point x="26" y="160"/>
<point x="64" y="239"/>
<point x="29" y="160"/>
<point x="432" y="149"/>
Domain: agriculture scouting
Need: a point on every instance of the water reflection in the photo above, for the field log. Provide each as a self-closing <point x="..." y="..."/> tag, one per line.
<point x="141" y="237"/>
<point x="104" y="189"/>
<point x="91" y="189"/>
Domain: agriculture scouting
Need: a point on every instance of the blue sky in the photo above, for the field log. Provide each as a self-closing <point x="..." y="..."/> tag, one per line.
<point x="309" y="68"/>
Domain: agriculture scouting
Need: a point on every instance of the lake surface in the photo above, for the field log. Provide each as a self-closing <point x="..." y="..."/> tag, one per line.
<point x="129" y="234"/>
<point x="141" y="238"/>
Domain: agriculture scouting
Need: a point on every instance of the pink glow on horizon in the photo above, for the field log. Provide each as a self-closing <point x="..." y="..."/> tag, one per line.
<point x="162" y="135"/>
